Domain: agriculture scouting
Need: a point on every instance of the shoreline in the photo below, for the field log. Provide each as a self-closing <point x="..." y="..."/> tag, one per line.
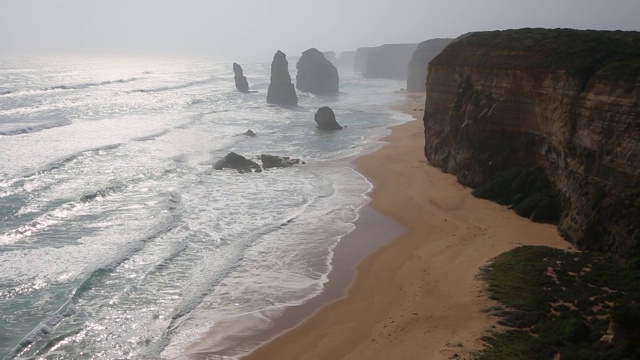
<point x="378" y="229"/>
<point x="417" y="296"/>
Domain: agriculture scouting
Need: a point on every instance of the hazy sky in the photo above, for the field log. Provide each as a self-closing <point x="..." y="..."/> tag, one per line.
<point x="244" y="29"/>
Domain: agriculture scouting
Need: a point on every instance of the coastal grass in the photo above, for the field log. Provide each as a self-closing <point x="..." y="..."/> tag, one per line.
<point x="558" y="302"/>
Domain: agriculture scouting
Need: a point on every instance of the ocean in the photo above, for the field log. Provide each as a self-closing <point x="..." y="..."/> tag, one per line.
<point x="119" y="240"/>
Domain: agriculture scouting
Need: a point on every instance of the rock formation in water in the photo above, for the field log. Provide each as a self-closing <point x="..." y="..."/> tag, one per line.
<point x="316" y="74"/>
<point x="346" y="59"/>
<point x="237" y="162"/>
<point x="273" y="161"/>
<point x="249" y="133"/>
<point x="331" y="56"/>
<point x="241" y="81"/>
<point x="244" y="165"/>
<point x="565" y="100"/>
<point x="425" y="52"/>
<point x="389" y="61"/>
<point x="281" y="90"/>
<point x="360" y="59"/>
<point x="326" y="119"/>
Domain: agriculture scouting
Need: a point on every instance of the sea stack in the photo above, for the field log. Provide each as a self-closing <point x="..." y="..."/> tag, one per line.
<point x="241" y="81"/>
<point x="281" y="90"/>
<point x="326" y="119"/>
<point x="316" y="74"/>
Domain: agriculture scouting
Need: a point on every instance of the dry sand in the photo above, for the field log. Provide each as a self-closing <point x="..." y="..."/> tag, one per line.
<point x="417" y="297"/>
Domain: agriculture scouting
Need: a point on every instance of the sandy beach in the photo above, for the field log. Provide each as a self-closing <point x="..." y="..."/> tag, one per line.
<point x="419" y="296"/>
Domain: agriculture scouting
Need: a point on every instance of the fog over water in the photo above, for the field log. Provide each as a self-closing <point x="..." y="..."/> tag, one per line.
<point x="255" y="28"/>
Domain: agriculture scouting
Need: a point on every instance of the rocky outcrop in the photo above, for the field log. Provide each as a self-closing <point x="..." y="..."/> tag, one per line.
<point x="326" y="119"/>
<point x="272" y="161"/>
<point x="425" y="52"/>
<point x="331" y="56"/>
<point x="565" y="100"/>
<point x="244" y="165"/>
<point x="249" y="133"/>
<point x="360" y="59"/>
<point x="237" y="162"/>
<point x="241" y="81"/>
<point x="316" y="74"/>
<point x="389" y="61"/>
<point x="281" y="90"/>
<point x="346" y="59"/>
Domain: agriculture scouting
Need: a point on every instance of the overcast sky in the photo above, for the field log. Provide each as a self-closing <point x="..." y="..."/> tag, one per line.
<point x="246" y="29"/>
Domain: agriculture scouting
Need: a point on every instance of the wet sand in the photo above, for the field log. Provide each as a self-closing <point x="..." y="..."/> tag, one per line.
<point x="418" y="296"/>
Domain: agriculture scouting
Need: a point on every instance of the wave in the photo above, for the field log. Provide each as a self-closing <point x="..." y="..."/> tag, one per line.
<point x="60" y="163"/>
<point x="55" y="213"/>
<point x="43" y="329"/>
<point x="68" y="309"/>
<point x="35" y="128"/>
<point x="174" y="87"/>
<point x="80" y="86"/>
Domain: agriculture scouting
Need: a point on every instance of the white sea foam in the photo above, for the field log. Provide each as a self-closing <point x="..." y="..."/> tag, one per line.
<point x="117" y="224"/>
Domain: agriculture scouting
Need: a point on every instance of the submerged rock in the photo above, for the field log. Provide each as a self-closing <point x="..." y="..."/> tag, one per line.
<point x="272" y="161"/>
<point x="326" y="119"/>
<point x="316" y="74"/>
<point x="238" y="162"/>
<point x="241" y="81"/>
<point x="281" y="90"/>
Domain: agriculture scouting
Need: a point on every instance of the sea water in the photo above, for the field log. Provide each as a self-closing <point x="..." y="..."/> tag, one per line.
<point x="117" y="237"/>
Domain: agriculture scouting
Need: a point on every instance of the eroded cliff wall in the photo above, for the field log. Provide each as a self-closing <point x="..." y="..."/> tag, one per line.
<point x="424" y="53"/>
<point x="566" y="100"/>
<point x="390" y="61"/>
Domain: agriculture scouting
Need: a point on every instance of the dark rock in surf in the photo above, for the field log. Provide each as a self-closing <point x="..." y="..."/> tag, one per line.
<point x="316" y="74"/>
<point x="272" y="161"/>
<point x="249" y="133"/>
<point x="241" y="81"/>
<point x="238" y="162"/>
<point x="281" y="90"/>
<point x="326" y="119"/>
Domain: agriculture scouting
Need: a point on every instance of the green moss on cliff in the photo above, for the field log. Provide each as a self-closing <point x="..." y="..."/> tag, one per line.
<point x="556" y="301"/>
<point x="528" y="191"/>
<point x="579" y="53"/>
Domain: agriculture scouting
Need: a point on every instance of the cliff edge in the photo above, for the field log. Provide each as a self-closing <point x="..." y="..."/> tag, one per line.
<point x="424" y="53"/>
<point x="567" y="101"/>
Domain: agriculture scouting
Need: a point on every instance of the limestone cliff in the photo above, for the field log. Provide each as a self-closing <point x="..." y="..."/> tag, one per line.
<point x="389" y="61"/>
<point x="316" y="74"/>
<point x="331" y="56"/>
<point x="360" y="59"/>
<point x="346" y="59"/>
<point x="281" y="90"/>
<point x="241" y="81"/>
<point x="424" y="53"/>
<point x="566" y="100"/>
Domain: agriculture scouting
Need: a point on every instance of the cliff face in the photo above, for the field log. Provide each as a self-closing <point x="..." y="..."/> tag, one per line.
<point x="346" y="59"/>
<point x="241" y="81"/>
<point x="389" y="61"/>
<point x="360" y="59"/>
<point x="316" y="74"/>
<point x="424" y="53"/>
<point x="281" y="90"/>
<point x="566" y="100"/>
